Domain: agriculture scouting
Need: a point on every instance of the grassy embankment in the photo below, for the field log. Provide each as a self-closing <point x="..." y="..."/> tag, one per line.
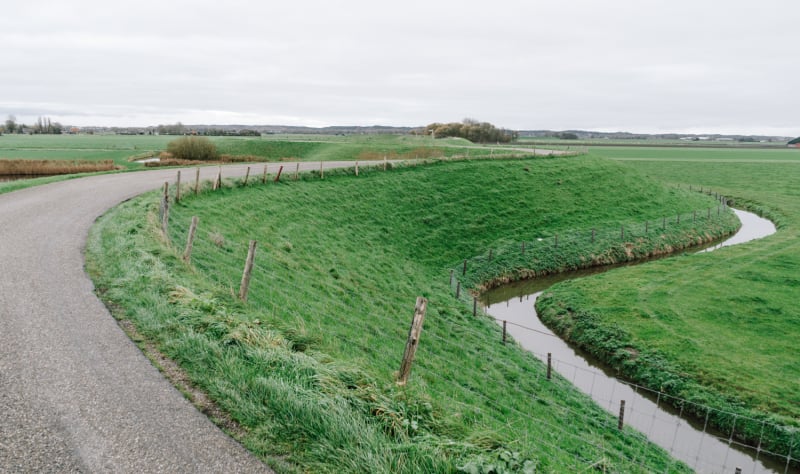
<point x="719" y="329"/>
<point x="67" y="154"/>
<point x="306" y="366"/>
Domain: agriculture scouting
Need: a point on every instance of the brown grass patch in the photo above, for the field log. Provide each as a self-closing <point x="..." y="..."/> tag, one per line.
<point x="52" y="167"/>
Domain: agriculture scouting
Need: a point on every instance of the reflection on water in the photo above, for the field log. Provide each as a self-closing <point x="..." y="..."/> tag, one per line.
<point x="688" y="440"/>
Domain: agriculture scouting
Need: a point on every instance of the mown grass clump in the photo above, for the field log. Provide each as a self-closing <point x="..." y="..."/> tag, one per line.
<point x="307" y="365"/>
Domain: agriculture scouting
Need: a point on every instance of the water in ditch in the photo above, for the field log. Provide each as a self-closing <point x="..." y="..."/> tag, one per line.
<point x="689" y="440"/>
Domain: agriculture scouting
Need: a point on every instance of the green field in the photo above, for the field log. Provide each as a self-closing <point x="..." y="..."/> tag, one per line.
<point x="271" y="147"/>
<point x="307" y="366"/>
<point x="720" y="328"/>
<point x="125" y="149"/>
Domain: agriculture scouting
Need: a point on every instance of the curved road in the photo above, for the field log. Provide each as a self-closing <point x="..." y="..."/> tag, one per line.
<point x="76" y="395"/>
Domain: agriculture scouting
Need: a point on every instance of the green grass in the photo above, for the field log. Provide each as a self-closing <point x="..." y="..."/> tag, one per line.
<point x="123" y="149"/>
<point x="307" y="365"/>
<point x="719" y="328"/>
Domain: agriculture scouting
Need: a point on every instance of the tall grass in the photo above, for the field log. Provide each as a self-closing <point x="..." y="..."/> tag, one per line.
<point x="53" y="167"/>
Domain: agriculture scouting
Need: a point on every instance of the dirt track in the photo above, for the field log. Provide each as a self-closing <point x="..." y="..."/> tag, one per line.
<point x="76" y="395"/>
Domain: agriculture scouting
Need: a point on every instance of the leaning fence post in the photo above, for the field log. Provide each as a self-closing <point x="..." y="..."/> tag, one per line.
<point x="413" y="340"/>
<point x="246" y="176"/>
<point x="218" y="181"/>
<point x="278" y="176"/>
<point x="549" y="365"/>
<point x="178" y="188"/>
<point x="165" y="210"/>
<point x="187" y="254"/>
<point x="248" y="269"/>
<point x="621" y="422"/>
<point x="197" y="181"/>
<point x="458" y="289"/>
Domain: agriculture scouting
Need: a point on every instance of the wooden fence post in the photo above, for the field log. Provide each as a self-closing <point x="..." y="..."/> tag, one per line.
<point x="646" y="226"/>
<point x="187" y="254"/>
<point x="165" y="210"/>
<point x="458" y="289"/>
<point x="593" y="235"/>
<point x="297" y="171"/>
<point x="218" y="181"/>
<point x="464" y="271"/>
<point x="321" y="171"/>
<point x="621" y="421"/>
<point x="278" y="176"/>
<point x="505" y="323"/>
<point x="178" y="188"/>
<point x="490" y="255"/>
<point x="244" y="287"/>
<point x="474" y="306"/>
<point x="384" y="162"/>
<point x="523" y="248"/>
<point x="264" y="176"/>
<point x="413" y="340"/>
<point x="197" y="181"/>
<point x="356" y="168"/>
<point x="549" y="365"/>
<point x="246" y="176"/>
<point x="451" y="277"/>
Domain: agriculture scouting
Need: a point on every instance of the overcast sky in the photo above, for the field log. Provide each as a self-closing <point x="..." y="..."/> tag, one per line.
<point x="632" y="65"/>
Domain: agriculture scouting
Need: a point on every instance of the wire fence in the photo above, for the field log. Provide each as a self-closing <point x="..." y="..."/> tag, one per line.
<point x="699" y="446"/>
<point x="708" y="438"/>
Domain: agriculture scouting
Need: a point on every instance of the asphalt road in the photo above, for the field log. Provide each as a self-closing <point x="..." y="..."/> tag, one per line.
<point x="76" y="395"/>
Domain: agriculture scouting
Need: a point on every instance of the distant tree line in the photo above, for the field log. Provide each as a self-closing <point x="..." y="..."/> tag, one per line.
<point x="180" y="129"/>
<point x="795" y="141"/>
<point x="472" y="130"/>
<point x="43" y="126"/>
<point x="218" y="132"/>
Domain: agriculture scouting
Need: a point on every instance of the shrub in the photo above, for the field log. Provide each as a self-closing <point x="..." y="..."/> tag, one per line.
<point x="193" y="148"/>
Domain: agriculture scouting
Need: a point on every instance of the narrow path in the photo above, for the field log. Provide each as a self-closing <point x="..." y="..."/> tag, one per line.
<point x="76" y="395"/>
